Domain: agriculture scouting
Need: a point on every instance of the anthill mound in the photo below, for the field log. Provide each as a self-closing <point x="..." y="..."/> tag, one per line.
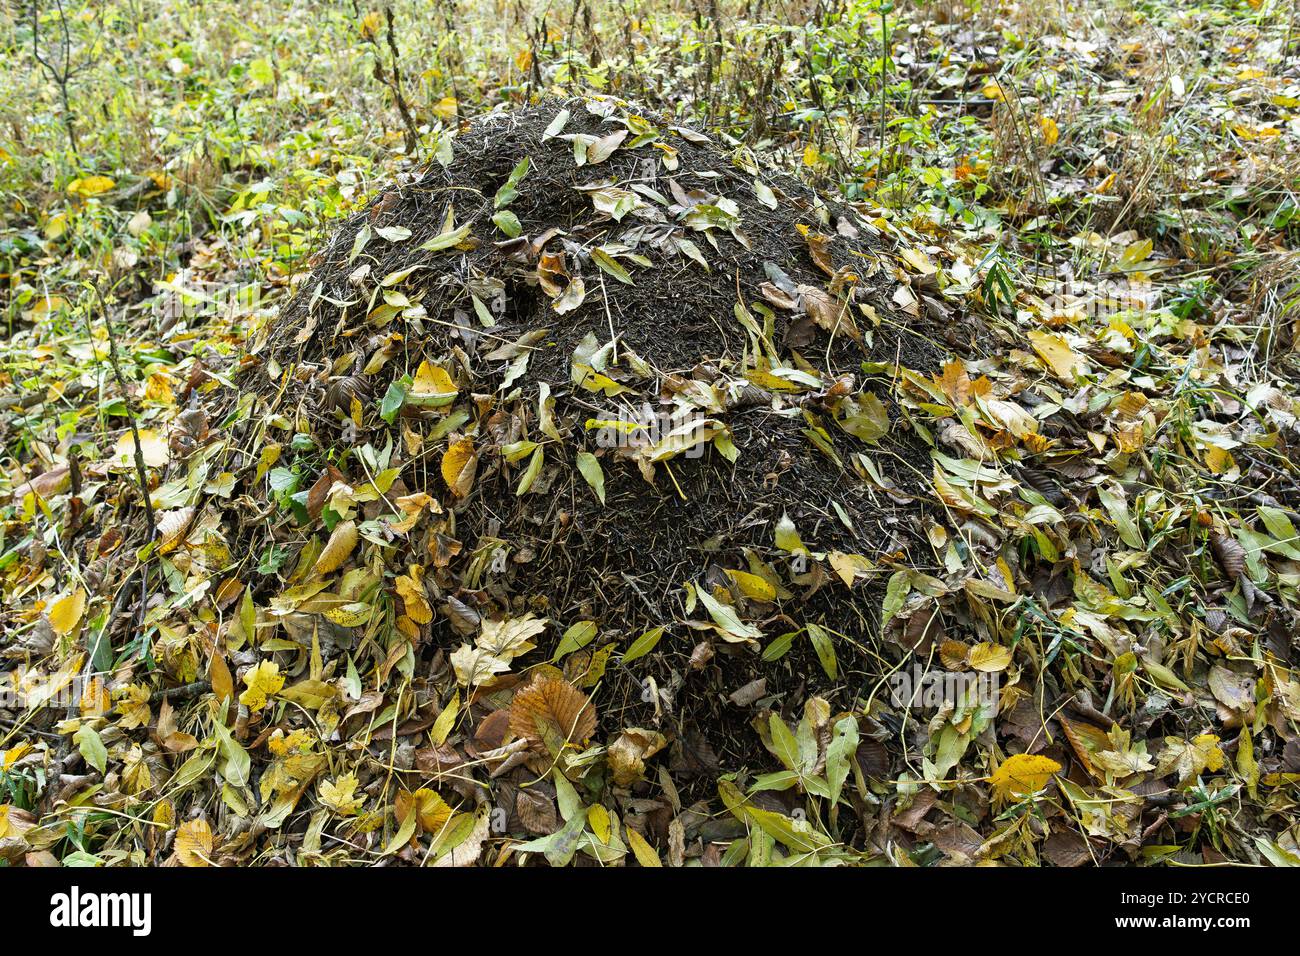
<point x="598" y="370"/>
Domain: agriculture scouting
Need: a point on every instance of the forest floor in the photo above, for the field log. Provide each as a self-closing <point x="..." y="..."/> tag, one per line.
<point x="494" y="434"/>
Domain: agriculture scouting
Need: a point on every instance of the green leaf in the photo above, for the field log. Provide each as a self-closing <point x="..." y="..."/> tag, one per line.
<point x="92" y="747"/>
<point x="843" y="745"/>
<point x="558" y="847"/>
<point x="447" y="239"/>
<point x="577" y="637"/>
<point x="403" y="835"/>
<point x="261" y="72"/>
<point x="508" y="223"/>
<point x="896" y="591"/>
<point x="394" y="399"/>
<point x="725" y="617"/>
<point x="865" y="417"/>
<point x="783" y="742"/>
<point x="557" y="125"/>
<point x="825" y="648"/>
<point x="534" y="469"/>
<point x="566" y="797"/>
<point x="1116" y="504"/>
<point x="237" y="765"/>
<point x="779" y="647"/>
<point x="643" y="645"/>
<point x="359" y="243"/>
<point x="590" y="469"/>
<point x="506" y="194"/>
<point x="610" y="265"/>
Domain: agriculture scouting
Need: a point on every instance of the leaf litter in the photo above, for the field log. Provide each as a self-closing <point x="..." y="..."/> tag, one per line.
<point x="585" y="503"/>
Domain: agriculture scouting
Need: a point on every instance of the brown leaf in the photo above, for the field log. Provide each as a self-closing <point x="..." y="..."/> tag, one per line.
<point x="319" y="492"/>
<point x="829" y="313"/>
<point x="223" y="685"/>
<point x="537" y="812"/>
<point x="819" y="247"/>
<point x="1230" y="554"/>
<point x="627" y="755"/>
<point x="51" y="483"/>
<point x="551" y="707"/>
<point x="778" y="297"/>
<point x="1066" y="848"/>
<point x="491" y="730"/>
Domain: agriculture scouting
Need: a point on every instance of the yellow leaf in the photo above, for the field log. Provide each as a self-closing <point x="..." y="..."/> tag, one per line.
<point x="194" y="843"/>
<point x="1055" y="351"/>
<point x="432" y="387"/>
<point x="412" y="506"/>
<point x="459" y="463"/>
<point x="1218" y="460"/>
<point x="431" y="810"/>
<point x="850" y="566"/>
<point x="598" y="821"/>
<point x="411" y="590"/>
<point x="752" y="586"/>
<point x="593" y="381"/>
<point x="371" y="23"/>
<point x="1051" y="132"/>
<point x="152" y="444"/>
<point x="445" y="722"/>
<point x="919" y="261"/>
<point x="352" y="614"/>
<point x="339" y="794"/>
<point x="989" y="657"/>
<point x="787" y="536"/>
<point x="643" y="851"/>
<point x="47" y="305"/>
<point x="263" y="681"/>
<point x="8" y="759"/>
<point x="95" y="699"/>
<point x="1023" y="774"/>
<point x="90" y="186"/>
<point x="445" y="108"/>
<point x="337" y="550"/>
<point x="65" y="613"/>
<point x="172" y="526"/>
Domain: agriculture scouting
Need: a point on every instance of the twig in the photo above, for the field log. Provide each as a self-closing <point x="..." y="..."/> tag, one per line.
<point x="391" y="78"/>
<point x="183" y="692"/>
<point x="60" y="74"/>
<point x="142" y="474"/>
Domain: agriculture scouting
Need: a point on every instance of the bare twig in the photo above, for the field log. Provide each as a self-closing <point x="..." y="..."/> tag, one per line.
<point x="142" y="474"/>
<point x="59" y="67"/>
<point x="141" y="471"/>
<point x="391" y="76"/>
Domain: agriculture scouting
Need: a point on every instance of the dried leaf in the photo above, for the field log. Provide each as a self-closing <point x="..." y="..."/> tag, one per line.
<point x="552" y="709"/>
